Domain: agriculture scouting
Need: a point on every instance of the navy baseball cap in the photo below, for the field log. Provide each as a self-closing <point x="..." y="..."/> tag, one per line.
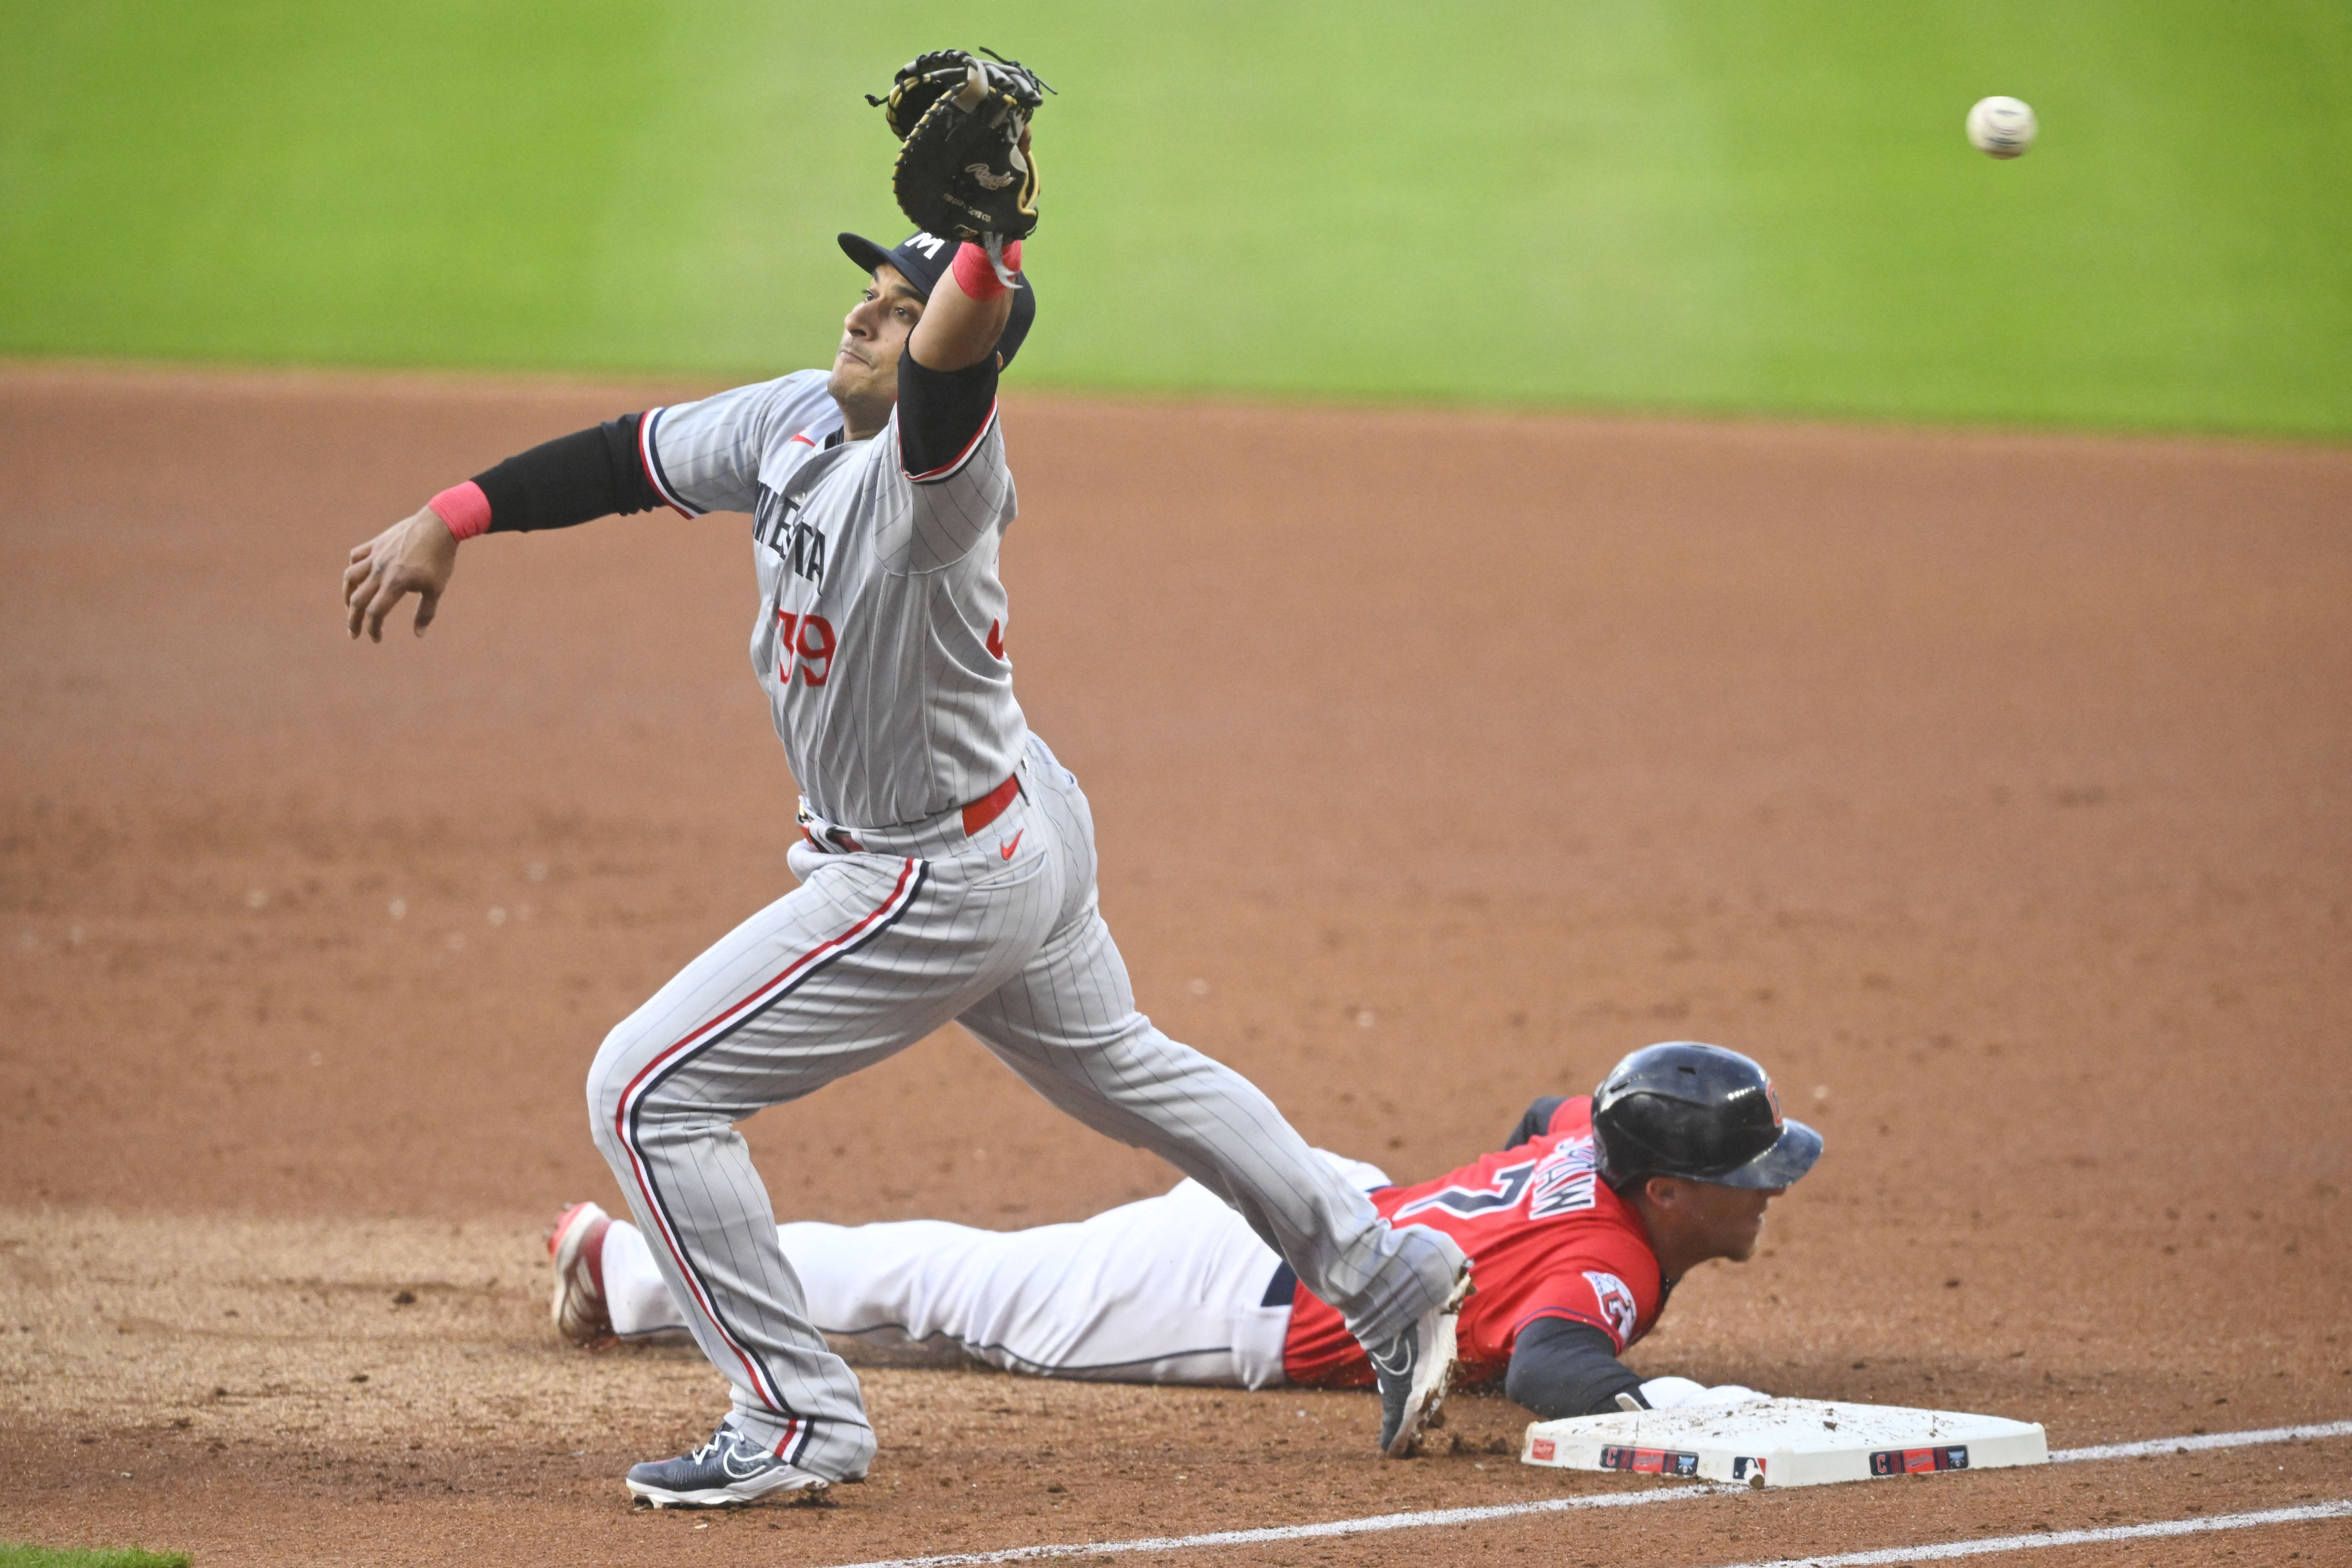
<point x="923" y="259"/>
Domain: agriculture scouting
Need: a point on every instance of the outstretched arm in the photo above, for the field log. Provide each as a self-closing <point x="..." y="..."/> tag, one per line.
<point x="958" y="332"/>
<point x="1560" y="1367"/>
<point x="958" y="329"/>
<point x="588" y="474"/>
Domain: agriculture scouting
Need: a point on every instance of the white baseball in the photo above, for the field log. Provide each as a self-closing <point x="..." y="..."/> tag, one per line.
<point x="2001" y="127"/>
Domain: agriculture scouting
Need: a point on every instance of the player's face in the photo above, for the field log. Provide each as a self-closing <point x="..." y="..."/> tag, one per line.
<point x="872" y="336"/>
<point x="1729" y="1219"/>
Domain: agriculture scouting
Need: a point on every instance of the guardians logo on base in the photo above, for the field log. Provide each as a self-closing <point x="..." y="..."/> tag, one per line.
<point x="1649" y="1462"/>
<point x="1917" y="1461"/>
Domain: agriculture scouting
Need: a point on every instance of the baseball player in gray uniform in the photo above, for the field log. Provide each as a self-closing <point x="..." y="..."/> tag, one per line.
<point x="946" y="863"/>
<point x="1580" y="1224"/>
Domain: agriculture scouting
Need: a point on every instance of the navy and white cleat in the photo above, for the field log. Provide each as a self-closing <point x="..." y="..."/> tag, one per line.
<point x="729" y="1470"/>
<point x="1415" y="1369"/>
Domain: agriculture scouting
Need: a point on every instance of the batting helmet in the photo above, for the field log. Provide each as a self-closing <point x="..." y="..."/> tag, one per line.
<point x="1687" y="1109"/>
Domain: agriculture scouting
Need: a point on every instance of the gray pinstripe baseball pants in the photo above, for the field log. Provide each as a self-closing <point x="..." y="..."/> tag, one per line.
<point x="998" y="931"/>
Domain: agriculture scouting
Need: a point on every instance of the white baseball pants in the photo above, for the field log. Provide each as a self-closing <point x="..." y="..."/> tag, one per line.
<point x="875" y="948"/>
<point x="1170" y="1289"/>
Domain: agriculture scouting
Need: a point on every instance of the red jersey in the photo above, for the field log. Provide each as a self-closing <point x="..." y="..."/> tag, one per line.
<point x="1546" y="1239"/>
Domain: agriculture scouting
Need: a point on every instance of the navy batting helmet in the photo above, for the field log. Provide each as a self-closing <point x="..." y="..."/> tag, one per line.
<point x="1687" y="1109"/>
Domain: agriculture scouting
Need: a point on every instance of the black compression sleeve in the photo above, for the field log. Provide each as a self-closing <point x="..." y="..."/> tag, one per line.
<point x="1560" y="1367"/>
<point x="939" y="411"/>
<point x="1536" y="1121"/>
<point x="588" y="474"/>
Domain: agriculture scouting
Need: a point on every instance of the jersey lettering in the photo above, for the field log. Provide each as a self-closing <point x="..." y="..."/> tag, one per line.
<point x="772" y="511"/>
<point x="1546" y="1236"/>
<point x="778" y="525"/>
<point x="1502" y="1192"/>
<point x="1564" y="1181"/>
<point x="807" y="552"/>
<point x="845" y="549"/>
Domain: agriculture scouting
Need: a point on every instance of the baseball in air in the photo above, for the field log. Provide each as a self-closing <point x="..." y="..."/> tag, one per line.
<point x="2001" y="127"/>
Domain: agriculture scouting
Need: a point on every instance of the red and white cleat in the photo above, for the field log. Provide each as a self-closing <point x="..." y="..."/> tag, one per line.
<point x="576" y="1247"/>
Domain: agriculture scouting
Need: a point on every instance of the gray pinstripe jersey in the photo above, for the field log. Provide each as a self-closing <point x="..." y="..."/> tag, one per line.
<point x="880" y="639"/>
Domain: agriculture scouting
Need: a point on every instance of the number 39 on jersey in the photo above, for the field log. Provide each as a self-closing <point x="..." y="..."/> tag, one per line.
<point x="804" y="648"/>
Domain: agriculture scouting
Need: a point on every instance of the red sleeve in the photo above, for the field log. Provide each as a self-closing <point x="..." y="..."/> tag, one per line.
<point x="1598" y="1296"/>
<point x="1609" y="1279"/>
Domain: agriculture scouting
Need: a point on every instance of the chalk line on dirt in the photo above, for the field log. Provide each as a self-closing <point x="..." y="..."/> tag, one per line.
<point x="2043" y="1539"/>
<point x="1431" y="1518"/>
<point x="1307" y="1531"/>
<point x="2198" y="1442"/>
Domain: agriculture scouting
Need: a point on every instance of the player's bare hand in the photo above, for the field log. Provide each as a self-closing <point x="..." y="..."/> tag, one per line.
<point x="416" y="555"/>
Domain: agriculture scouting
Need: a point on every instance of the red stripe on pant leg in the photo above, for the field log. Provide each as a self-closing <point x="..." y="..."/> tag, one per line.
<point x="644" y="1184"/>
<point x="906" y="870"/>
<point x="669" y="1239"/>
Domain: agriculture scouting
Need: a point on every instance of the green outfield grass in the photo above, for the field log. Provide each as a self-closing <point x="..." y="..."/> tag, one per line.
<point x="1720" y="204"/>
<point x="18" y="1554"/>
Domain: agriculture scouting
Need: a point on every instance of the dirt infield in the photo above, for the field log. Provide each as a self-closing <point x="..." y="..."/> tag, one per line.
<point x="1995" y="791"/>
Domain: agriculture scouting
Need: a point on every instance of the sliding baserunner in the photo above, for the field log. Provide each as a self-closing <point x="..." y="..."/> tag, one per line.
<point x="1577" y="1231"/>
<point x="947" y="860"/>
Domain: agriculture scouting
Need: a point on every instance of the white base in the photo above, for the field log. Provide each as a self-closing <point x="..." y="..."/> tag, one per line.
<point x="1785" y="1442"/>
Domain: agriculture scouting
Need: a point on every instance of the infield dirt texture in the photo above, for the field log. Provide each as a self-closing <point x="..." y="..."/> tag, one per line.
<point x="1990" y="789"/>
<point x="1995" y="789"/>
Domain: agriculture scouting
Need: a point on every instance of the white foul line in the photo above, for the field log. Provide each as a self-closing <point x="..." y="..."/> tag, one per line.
<point x="2201" y="1441"/>
<point x="1944" y="1550"/>
<point x="1307" y="1531"/>
<point x="1678" y="1494"/>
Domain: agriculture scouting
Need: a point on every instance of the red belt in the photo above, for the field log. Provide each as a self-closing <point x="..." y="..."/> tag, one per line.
<point x="990" y="806"/>
<point x="976" y="815"/>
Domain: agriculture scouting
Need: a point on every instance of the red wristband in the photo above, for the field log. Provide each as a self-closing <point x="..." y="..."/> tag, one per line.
<point x="975" y="277"/>
<point x="464" y="509"/>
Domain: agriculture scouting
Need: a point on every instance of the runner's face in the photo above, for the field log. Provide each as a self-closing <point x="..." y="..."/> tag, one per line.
<point x="872" y="336"/>
<point x="1727" y="1220"/>
<point x="1693" y="1221"/>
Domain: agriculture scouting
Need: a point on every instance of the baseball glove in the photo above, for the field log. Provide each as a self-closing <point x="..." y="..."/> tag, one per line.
<point x="962" y="173"/>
